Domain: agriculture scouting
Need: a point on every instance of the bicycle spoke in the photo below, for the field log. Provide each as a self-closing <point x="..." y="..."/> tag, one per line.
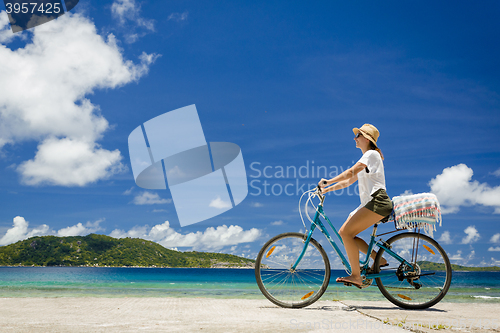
<point x="284" y="286"/>
<point x="421" y="286"/>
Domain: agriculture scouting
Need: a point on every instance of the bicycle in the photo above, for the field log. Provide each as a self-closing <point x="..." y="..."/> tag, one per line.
<point x="293" y="270"/>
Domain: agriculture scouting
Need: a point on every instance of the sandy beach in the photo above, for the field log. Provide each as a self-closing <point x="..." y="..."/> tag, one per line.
<point x="92" y="314"/>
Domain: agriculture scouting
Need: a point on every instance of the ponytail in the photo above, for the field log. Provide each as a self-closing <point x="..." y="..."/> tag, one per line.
<point x="373" y="147"/>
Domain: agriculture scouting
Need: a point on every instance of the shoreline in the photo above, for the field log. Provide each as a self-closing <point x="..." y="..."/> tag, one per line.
<point x="223" y="267"/>
<point x="94" y="314"/>
<point x="188" y="282"/>
<point x="483" y="300"/>
<point x="105" y="266"/>
<point x="227" y="267"/>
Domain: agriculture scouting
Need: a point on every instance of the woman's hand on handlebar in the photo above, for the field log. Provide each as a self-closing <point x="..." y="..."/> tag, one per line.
<point x="323" y="183"/>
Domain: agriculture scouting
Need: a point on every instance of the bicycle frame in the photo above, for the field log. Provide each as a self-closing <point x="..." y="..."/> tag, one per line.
<point x="364" y="263"/>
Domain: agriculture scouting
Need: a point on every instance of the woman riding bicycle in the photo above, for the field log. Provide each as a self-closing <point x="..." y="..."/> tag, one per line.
<point x="375" y="203"/>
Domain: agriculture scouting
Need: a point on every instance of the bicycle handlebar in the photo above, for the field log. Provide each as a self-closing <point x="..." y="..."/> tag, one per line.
<point x="320" y="194"/>
<point x="311" y="193"/>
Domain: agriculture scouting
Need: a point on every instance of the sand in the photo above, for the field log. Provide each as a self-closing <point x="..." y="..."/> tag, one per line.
<point x="94" y="314"/>
<point x="443" y="317"/>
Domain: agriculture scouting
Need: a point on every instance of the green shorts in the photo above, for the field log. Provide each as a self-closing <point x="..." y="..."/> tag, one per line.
<point x="380" y="203"/>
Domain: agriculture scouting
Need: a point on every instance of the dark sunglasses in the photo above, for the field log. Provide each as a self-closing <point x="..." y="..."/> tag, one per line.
<point x="358" y="135"/>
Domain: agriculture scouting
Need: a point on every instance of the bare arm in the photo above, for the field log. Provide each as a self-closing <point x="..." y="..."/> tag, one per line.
<point x="343" y="180"/>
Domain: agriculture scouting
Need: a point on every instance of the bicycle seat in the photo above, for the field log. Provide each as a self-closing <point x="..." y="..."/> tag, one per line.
<point x="387" y="218"/>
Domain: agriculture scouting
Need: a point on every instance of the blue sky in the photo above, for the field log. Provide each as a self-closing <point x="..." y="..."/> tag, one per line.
<point x="285" y="81"/>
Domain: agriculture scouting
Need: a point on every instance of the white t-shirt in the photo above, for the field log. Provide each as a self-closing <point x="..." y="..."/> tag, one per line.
<point x="373" y="180"/>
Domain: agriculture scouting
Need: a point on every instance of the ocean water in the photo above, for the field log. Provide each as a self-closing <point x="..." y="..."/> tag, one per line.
<point x="200" y="282"/>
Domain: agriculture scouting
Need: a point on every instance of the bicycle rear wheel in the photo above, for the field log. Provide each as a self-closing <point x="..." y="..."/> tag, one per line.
<point x="420" y="285"/>
<point x="292" y="288"/>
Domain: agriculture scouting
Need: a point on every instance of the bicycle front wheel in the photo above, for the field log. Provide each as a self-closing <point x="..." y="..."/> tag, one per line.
<point x="287" y="287"/>
<point x="422" y="283"/>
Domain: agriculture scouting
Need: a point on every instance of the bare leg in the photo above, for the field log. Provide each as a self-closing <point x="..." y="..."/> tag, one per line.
<point x="363" y="247"/>
<point x="363" y="219"/>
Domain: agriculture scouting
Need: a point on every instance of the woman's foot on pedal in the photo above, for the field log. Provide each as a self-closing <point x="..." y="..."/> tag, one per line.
<point x="383" y="263"/>
<point x="350" y="281"/>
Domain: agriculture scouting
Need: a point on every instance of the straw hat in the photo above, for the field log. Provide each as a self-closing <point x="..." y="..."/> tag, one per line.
<point x="369" y="131"/>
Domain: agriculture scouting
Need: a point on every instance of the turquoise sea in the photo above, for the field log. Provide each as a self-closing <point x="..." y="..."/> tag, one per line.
<point x="199" y="282"/>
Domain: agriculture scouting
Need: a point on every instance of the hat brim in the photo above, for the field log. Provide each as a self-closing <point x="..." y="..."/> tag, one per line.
<point x="356" y="130"/>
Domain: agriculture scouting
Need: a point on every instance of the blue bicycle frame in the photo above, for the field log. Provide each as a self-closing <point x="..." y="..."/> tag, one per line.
<point x="364" y="264"/>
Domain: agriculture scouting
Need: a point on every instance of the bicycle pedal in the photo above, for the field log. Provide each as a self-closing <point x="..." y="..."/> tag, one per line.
<point x="366" y="283"/>
<point x="348" y="284"/>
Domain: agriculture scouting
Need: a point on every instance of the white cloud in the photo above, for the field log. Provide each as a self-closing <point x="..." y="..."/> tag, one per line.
<point x="122" y="9"/>
<point x="497" y="172"/>
<point x="256" y="204"/>
<point x="149" y="198"/>
<point x="129" y="11"/>
<point x="80" y="229"/>
<point x="471" y="255"/>
<point x="457" y="256"/>
<point x="469" y="260"/>
<point x="20" y="230"/>
<point x="454" y="188"/>
<point x="129" y="191"/>
<point x="495" y="238"/>
<point x="494" y="249"/>
<point x="310" y="211"/>
<point x="175" y="172"/>
<point x="210" y="240"/>
<point x="39" y="231"/>
<point x="178" y="17"/>
<point x="472" y="235"/>
<point x="75" y="230"/>
<point x="279" y="222"/>
<point x="6" y="34"/>
<point x="5" y="28"/>
<point x="43" y="98"/>
<point x="445" y="238"/>
<point x="495" y="262"/>
<point x="219" y="203"/>
<point x="407" y="192"/>
<point x="69" y="162"/>
<point x="135" y="232"/>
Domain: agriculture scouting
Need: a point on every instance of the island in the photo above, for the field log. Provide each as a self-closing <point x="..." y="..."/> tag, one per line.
<point x="432" y="266"/>
<point x="104" y="251"/>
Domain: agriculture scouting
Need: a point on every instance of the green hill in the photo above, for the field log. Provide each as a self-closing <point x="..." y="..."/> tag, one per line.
<point x="100" y="250"/>
<point x="427" y="265"/>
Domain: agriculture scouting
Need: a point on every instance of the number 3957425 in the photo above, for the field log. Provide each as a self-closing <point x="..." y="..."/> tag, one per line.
<point x="33" y="8"/>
